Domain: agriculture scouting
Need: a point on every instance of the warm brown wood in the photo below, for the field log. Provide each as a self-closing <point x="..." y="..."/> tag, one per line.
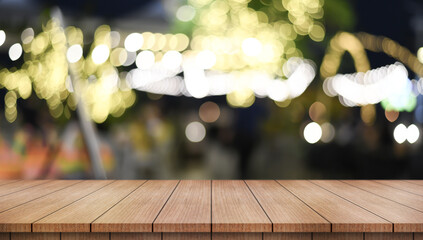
<point x="344" y="215"/>
<point x="19" y="219"/>
<point x="418" y="182"/>
<point x="4" y="236"/>
<point x="186" y="236"/>
<point x="405" y="219"/>
<point x="4" y="182"/>
<point x="403" y="185"/>
<point x="85" y="236"/>
<point x="405" y="198"/>
<point x="137" y="212"/>
<point x="287" y="236"/>
<point x="19" y="186"/>
<point x="135" y="236"/>
<point x="234" y="209"/>
<point x="418" y="236"/>
<point x="78" y="216"/>
<point x="188" y="209"/>
<point x="337" y="236"/>
<point x="18" y="198"/>
<point x="35" y="236"/>
<point x="286" y="211"/>
<point x="388" y="236"/>
<point x="237" y="236"/>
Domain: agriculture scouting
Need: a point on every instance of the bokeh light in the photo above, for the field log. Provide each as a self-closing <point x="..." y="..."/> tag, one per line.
<point x="2" y="37"/>
<point x="209" y="112"/>
<point x="400" y="133"/>
<point x="185" y="13"/>
<point x="413" y="133"/>
<point x="312" y="132"/>
<point x="133" y="42"/>
<point x="195" y="132"/>
<point x="15" y="51"/>
<point x="100" y="54"/>
<point x="74" y="53"/>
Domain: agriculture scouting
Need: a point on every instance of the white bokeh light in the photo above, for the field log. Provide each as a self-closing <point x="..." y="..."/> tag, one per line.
<point x="195" y="132"/>
<point x="400" y="133"/>
<point x="145" y="60"/>
<point x="251" y="47"/>
<point x="133" y="42"/>
<point x="205" y="59"/>
<point x="100" y="54"/>
<point x="74" y="53"/>
<point x="185" y="13"/>
<point x="312" y="132"/>
<point x="172" y="60"/>
<point x="2" y="37"/>
<point x="15" y="51"/>
<point x="413" y="133"/>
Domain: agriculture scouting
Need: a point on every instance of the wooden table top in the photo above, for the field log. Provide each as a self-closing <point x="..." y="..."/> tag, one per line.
<point x="211" y="206"/>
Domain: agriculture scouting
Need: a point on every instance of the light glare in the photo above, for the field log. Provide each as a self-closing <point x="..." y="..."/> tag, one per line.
<point x="15" y="51"/>
<point x="312" y="132"/>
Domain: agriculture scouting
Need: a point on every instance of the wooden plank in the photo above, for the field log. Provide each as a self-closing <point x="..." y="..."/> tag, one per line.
<point x="287" y="212"/>
<point x="399" y="196"/>
<point x="418" y="182"/>
<point x="18" y="198"/>
<point x="137" y="212"/>
<point x="234" y="209"/>
<point x="85" y="236"/>
<point x="237" y="236"/>
<point x="186" y="236"/>
<point x="19" y="186"/>
<point x="35" y="236"/>
<point x="19" y="219"/>
<point x="78" y="216"/>
<point x="418" y="236"/>
<point x="287" y="236"/>
<point x="135" y="236"/>
<point x="344" y="216"/>
<point x="403" y="185"/>
<point x="405" y="219"/>
<point x="4" y="236"/>
<point x="4" y="182"/>
<point x="388" y="236"/>
<point x="188" y="209"/>
<point x="338" y="236"/>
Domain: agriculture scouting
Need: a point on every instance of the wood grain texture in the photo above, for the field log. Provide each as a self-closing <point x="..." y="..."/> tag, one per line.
<point x="399" y="196"/>
<point x="188" y="209"/>
<point x="344" y="215"/>
<point x="19" y="186"/>
<point x="85" y="236"/>
<point x="287" y="236"/>
<point x="405" y="219"/>
<point x="135" y="236"/>
<point x="186" y="236"/>
<point x="287" y="212"/>
<point x="18" y="198"/>
<point x="237" y="236"/>
<point x="35" y="236"/>
<point x="4" y="236"/>
<point x="338" y="236"/>
<point x="19" y="219"/>
<point x="78" y="216"/>
<point x="234" y="209"/>
<point x="4" y="182"/>
<point x="403" y="185"/>
<point x="418" y="182"/>
<point x="137" y="212"/>
<point x="388" y="236"/>
<point x="418" y="236"/>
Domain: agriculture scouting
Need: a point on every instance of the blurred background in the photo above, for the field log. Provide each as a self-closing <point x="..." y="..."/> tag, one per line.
<point x="218" y="89"/>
